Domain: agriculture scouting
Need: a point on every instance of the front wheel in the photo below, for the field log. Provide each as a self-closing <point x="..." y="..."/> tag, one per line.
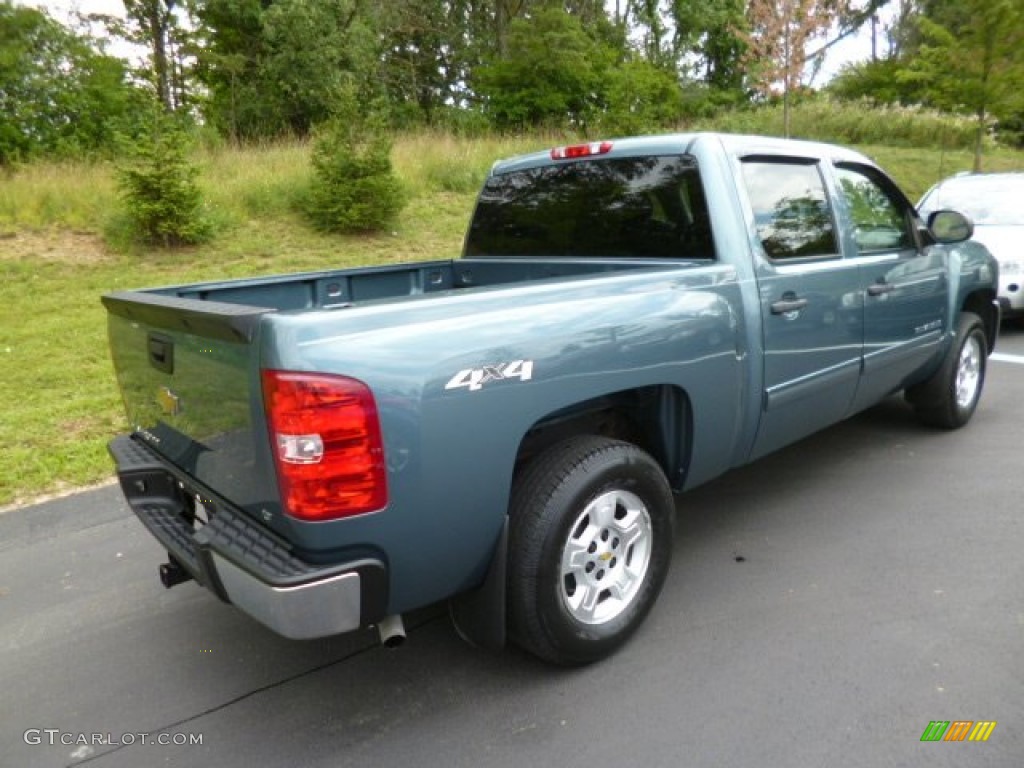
<point x="950" y="397"/>
<point x="590" y="544"/>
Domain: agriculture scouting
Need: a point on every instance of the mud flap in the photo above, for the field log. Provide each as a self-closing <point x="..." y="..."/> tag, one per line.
<point x="479" y="616"/>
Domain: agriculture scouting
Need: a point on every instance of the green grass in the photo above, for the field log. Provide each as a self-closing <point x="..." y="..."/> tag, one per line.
<point x="75" y="196"/>
<point x="59" y="403"/>
<point x="853" y="123"/>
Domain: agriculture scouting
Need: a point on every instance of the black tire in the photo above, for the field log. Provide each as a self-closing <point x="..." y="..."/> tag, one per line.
<point x="949" y="398"/>
<point x="609" y="504"/>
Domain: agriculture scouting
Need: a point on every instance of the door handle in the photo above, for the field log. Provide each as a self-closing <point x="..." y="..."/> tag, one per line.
<point x="161" y="352"/>
<point x="788" y="303"/>
<point x="880" y="288"/>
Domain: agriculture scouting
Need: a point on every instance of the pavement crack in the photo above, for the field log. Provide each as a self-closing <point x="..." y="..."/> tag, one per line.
<point x="249" y="694"/>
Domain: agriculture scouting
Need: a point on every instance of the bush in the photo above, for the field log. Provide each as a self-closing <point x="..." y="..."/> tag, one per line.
<point x="354" y="188"/>
<point x="164" y="205"/>
<point x="641" y="98"/>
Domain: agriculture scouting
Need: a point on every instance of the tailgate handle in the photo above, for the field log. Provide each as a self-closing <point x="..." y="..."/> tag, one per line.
<point x="161" y="353"/>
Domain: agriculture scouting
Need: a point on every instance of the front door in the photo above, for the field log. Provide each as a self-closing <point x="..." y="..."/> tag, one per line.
<point x="811" y="306"/>
<point x="905" y="286"/>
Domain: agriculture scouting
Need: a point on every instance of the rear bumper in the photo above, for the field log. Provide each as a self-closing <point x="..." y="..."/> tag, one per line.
<point x="243" y="563"/>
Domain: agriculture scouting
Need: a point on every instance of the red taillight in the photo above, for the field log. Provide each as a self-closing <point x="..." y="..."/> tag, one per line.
<point x="581" y="150"/>
<point x="325" y="435"/>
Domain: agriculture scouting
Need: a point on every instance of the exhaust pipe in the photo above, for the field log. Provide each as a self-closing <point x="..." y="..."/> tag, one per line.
<point x="392" y="631"/>
<point x="172" y="573"/>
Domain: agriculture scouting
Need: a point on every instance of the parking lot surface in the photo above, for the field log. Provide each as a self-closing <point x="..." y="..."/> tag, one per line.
<point x="825" y="606"/>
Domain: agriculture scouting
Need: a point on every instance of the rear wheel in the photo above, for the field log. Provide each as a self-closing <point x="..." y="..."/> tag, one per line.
<point x="950" y="397"/>
<point x="590" y="545"/>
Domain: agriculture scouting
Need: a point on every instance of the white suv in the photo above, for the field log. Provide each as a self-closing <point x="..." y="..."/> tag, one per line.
<point x="995" y="202"/>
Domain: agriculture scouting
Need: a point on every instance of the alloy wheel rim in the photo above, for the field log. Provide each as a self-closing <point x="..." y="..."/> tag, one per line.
<point x="606" y="556"/>
<point x="968" y="373"/>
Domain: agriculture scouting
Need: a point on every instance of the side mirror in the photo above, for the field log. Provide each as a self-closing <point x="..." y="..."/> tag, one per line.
<point x="948" y="227"/>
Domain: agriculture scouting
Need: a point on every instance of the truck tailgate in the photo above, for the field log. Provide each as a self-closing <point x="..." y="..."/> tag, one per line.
<point x="189" y="377"/>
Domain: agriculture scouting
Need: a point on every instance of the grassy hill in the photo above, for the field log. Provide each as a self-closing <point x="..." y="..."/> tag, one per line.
<point x="58" y="397"/>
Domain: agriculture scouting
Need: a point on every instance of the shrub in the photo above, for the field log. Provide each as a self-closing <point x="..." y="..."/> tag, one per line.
<point x="354" y="188"/>
<point x="641" y="98"/>
<point x="164" y="205"/>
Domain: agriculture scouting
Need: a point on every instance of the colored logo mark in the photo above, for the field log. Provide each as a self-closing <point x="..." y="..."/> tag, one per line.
<point x="958" y="730"/>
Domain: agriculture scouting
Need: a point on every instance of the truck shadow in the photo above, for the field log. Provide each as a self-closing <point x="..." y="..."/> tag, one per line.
<point x="805" y="476"/>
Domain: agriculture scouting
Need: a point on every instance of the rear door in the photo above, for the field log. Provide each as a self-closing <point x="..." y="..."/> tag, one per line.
<point x="811" y="306"/>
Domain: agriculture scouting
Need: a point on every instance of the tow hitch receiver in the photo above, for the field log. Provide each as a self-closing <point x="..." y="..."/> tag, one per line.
<point x="172" y="573"/>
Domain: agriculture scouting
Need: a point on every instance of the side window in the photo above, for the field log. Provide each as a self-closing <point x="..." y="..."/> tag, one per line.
<point x="879" y="217"/>
<point x="791" y="209"/>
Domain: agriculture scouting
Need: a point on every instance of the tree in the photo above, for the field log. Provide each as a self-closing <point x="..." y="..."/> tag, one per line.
<point x="59" y="95"/>
<point x="780" y="31"/>
<point x="639" y="98"/>
<point x="154" y="21"/>
<point x="275" y="68"/>
<point x="881" y="82"/>
<point x="848" y="18"/>
<point x="651" y="25"/>
<point x="229" y="64"/>
<point x="155" y="25"/>
<point x="902" y="32"/>
<point x="978" y="68"/>
<point x="432" y="49"/>
<point x="425" y="56"/>
<point x="716" y="30"/>
<point x="552" y="74"/>
<point x="883" y="79"/>
<point x="163" y="203"/>
<point x="316" y="49"/>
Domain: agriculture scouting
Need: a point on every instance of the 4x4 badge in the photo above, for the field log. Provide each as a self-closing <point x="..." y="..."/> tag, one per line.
<point x="475" y="378"/>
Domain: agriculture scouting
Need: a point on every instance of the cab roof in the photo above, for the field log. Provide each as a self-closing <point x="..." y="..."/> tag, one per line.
<point x="738" y="145"/>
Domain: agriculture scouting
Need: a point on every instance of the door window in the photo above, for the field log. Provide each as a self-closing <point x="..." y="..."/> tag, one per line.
<point x="879" y="217"/>
<point x="791" y="209"/>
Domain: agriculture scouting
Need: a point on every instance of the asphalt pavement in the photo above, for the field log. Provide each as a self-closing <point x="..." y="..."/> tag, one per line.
<point x="825" y="606"/>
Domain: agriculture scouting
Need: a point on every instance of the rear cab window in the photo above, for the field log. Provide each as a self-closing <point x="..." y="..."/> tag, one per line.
<point x="624" y="207"/>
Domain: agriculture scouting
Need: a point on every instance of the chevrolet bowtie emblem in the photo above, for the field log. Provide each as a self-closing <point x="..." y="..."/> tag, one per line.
<point x="169" y="402"/>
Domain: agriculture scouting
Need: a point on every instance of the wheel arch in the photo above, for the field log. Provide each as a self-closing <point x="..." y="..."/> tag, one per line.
<point x="656" y="418"/>
<point x="983" y="304"/>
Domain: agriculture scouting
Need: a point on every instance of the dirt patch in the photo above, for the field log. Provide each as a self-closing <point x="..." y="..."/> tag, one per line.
<point x="58" y="246"/>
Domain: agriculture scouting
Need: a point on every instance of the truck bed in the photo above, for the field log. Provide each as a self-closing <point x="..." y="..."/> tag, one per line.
<point x="189" y="358"/>
<point x="344" y="287"/>
<point x="230" y="310"/>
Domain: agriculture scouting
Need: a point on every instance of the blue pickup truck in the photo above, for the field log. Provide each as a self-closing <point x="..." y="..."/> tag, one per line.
<point x="507" y="430"/>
